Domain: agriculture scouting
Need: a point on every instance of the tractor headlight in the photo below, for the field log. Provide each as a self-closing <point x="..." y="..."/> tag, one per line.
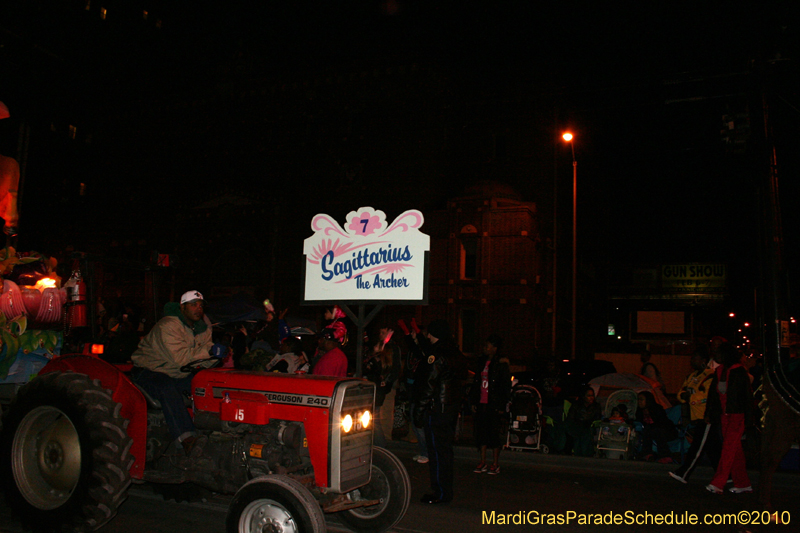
<point x="356" y="421"/>
<point x="347" y="423"/>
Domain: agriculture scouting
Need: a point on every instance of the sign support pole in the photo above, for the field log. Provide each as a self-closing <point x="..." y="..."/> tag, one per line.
<point x="361" y="322"/>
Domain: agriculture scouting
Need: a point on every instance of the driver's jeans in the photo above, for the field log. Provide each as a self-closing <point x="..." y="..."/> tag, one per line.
<point x="170" y="392"/>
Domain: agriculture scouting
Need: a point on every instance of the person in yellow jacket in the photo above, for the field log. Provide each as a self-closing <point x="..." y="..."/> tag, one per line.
<point x="181" y="337"/>
<point x="694" y="392"/>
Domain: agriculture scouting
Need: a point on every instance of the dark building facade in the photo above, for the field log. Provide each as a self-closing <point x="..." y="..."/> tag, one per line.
<point x="487" y="272"/>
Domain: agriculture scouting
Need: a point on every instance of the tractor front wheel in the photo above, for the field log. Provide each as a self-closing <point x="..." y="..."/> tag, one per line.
<point x="274" y="503"/>
<point x="390" y="485"/>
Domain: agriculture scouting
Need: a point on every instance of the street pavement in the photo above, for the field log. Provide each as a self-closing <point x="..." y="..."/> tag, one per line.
<point x="529" y="485"/>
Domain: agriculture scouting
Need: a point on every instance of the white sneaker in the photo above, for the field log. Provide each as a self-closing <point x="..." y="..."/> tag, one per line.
<point x="740" y="490"/>
<point x="420" y="459"/>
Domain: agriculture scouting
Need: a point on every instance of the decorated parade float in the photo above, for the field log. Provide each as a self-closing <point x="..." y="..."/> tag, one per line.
<point x="35" y="312"/>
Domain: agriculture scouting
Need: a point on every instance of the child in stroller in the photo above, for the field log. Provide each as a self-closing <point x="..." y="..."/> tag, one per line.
<point x="619" y="415"/>
<point x="616" y="430"/>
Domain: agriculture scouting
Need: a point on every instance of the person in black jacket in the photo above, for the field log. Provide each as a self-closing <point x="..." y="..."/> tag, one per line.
<point x="381" y="368"/>
<point x="656" y="426"/>
<point x="488" y="397"/>
<point x="730" y="402"/>
<point x="439" y="399"/>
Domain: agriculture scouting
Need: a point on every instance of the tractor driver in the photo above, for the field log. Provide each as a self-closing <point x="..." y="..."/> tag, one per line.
<point x="182" y="336"/>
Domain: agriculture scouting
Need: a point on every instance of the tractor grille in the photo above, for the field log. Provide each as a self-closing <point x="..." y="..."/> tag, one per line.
<point x="354" y="449"/>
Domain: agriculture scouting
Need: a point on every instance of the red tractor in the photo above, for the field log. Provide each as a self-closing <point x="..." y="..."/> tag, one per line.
<point x="290" y="448"/>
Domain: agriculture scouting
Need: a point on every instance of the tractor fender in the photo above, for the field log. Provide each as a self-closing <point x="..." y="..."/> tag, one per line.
<point x="123" y="391"/>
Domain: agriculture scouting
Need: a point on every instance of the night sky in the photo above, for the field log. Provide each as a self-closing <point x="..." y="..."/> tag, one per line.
<point x="643" y="86"/>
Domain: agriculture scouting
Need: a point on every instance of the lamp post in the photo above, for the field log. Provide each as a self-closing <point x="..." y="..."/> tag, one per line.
<point x="568" y="137"/>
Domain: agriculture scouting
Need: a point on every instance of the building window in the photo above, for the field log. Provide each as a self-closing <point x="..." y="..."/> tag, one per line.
<point x="469" y="252"/>
<point x="103" y="12"/>
<point x="469" y="330"/>
<point x="469" y="258"/>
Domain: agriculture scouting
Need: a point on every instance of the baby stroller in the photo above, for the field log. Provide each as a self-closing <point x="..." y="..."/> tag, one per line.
<point x="615" y="439"/>
<point x="525" y="429"/>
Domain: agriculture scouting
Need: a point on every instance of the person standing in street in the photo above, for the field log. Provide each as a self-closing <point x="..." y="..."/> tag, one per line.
<point x="695" y="393"/>
<point x="730" y="401"/>
<point x="439" y="399"/>
<point x="414" y="372"/>
<point x="489" y="397"/>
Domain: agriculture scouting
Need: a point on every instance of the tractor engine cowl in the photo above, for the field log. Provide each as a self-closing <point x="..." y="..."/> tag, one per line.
<point x="305" y="414"/>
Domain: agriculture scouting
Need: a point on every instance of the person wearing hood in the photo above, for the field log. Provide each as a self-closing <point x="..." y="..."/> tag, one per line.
<point x="181" y="337"/>
<point x="438" y="402"/>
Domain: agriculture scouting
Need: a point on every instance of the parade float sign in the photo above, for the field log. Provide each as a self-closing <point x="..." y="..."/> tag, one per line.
<point x="367" y="260"/>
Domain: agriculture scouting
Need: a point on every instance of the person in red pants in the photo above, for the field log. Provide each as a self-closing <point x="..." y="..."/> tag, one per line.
<point x="730" y="401"/>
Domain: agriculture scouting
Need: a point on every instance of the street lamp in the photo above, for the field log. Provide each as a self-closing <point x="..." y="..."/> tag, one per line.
<point x="568" y="137"/>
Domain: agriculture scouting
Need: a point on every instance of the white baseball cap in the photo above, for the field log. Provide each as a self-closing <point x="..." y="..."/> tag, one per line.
<point x="191" y="296"/>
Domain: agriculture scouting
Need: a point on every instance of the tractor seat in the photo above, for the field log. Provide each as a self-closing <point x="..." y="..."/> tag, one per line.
<point x="152" y="403"/>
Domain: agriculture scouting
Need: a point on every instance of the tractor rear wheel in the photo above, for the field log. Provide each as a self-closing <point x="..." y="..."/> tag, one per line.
<point x="66" y="455"/>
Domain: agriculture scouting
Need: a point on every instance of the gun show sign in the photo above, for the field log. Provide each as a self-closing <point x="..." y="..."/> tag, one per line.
<point x="367" y="260"/>
<point x="693" y="277"/>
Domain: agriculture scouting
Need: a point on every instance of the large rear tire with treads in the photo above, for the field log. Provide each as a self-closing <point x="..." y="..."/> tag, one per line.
<point x="65" y="453"/>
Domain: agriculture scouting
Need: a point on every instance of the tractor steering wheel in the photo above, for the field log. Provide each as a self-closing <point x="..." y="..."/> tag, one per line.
<point x="195" y="366"/>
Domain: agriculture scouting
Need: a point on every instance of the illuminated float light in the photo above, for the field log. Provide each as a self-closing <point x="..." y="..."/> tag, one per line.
<point x="45" y="283"/>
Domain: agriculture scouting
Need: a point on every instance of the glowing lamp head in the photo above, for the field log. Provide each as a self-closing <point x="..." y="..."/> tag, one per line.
<point x="567" y="136"/>
<point x="347" y="423"/>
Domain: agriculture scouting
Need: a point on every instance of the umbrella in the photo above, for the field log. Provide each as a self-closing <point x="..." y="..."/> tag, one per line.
<point x="604" y="385"/>
<point x="302" y="331"/>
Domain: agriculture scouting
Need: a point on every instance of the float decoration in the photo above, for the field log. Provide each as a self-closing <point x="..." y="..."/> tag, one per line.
<point x="30" y="287"/>
<point x="23" y="352"/>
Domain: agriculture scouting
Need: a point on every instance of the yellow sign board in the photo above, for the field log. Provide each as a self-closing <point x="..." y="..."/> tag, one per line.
<point x="693" y="277"/>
